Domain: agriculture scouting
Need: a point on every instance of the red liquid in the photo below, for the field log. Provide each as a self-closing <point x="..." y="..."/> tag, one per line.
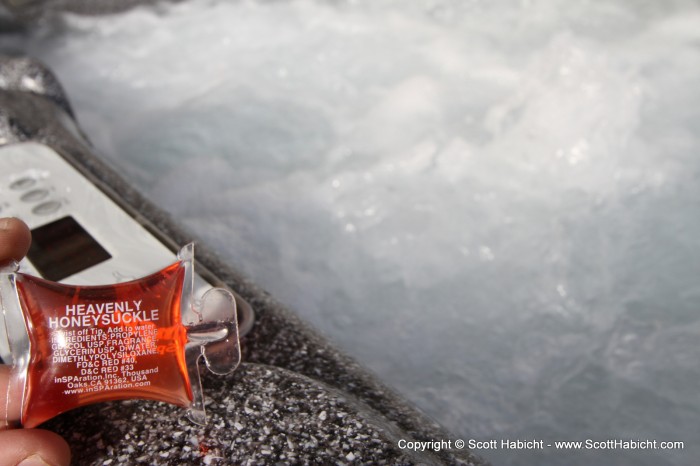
<point x="101" y="343"/>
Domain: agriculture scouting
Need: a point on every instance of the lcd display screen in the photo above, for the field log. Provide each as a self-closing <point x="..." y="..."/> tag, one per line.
<point x="63" y="248"/>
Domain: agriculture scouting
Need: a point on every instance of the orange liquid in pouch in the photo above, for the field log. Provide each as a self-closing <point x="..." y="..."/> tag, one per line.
<point x="100" y="343"/>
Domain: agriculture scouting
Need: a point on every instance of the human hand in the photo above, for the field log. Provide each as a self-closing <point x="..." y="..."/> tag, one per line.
<point x="25" y="447"/>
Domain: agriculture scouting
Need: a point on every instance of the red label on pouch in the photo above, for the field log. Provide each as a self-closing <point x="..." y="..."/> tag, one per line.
<point x="101" y="343"/>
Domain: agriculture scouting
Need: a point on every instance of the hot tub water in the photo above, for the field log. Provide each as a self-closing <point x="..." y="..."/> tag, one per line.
<point x="492" y="205"/>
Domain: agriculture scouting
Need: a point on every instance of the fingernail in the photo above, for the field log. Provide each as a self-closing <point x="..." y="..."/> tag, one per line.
<point x="34" y="460"/>
<point x="5" y="223"/>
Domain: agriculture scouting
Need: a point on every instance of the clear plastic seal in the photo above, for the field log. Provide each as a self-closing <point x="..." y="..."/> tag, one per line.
<point x="75" y="345"/>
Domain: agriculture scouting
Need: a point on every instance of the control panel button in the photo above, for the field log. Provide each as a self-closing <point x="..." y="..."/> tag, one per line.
<point x="46" y="208"/>
<point x="35" y="195"/>
<point x="20" y="184"/>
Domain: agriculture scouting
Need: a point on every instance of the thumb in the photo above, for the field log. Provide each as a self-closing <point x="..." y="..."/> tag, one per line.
<point x="33" y="447"/>
<point x="28" y="447"/>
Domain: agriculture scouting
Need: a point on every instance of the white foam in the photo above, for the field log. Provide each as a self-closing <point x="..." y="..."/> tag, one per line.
<point x="490" y="204"/>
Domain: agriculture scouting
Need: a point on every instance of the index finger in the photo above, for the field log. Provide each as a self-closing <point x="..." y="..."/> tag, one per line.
<point x="15" y="239"/>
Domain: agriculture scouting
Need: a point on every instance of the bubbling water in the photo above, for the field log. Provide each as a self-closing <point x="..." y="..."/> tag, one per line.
<point x="489" y="204"/>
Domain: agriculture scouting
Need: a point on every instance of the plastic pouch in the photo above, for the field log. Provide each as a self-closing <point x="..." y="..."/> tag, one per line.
<point x="72" y="346"/>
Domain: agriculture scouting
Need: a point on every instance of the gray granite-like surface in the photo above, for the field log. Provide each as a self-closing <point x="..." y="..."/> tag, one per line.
<point x="260" y="415"/>
<point x="294" y="400"/>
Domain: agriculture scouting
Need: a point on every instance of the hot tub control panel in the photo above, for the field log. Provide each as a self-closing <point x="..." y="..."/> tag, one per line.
<point x="80" y="235"/>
